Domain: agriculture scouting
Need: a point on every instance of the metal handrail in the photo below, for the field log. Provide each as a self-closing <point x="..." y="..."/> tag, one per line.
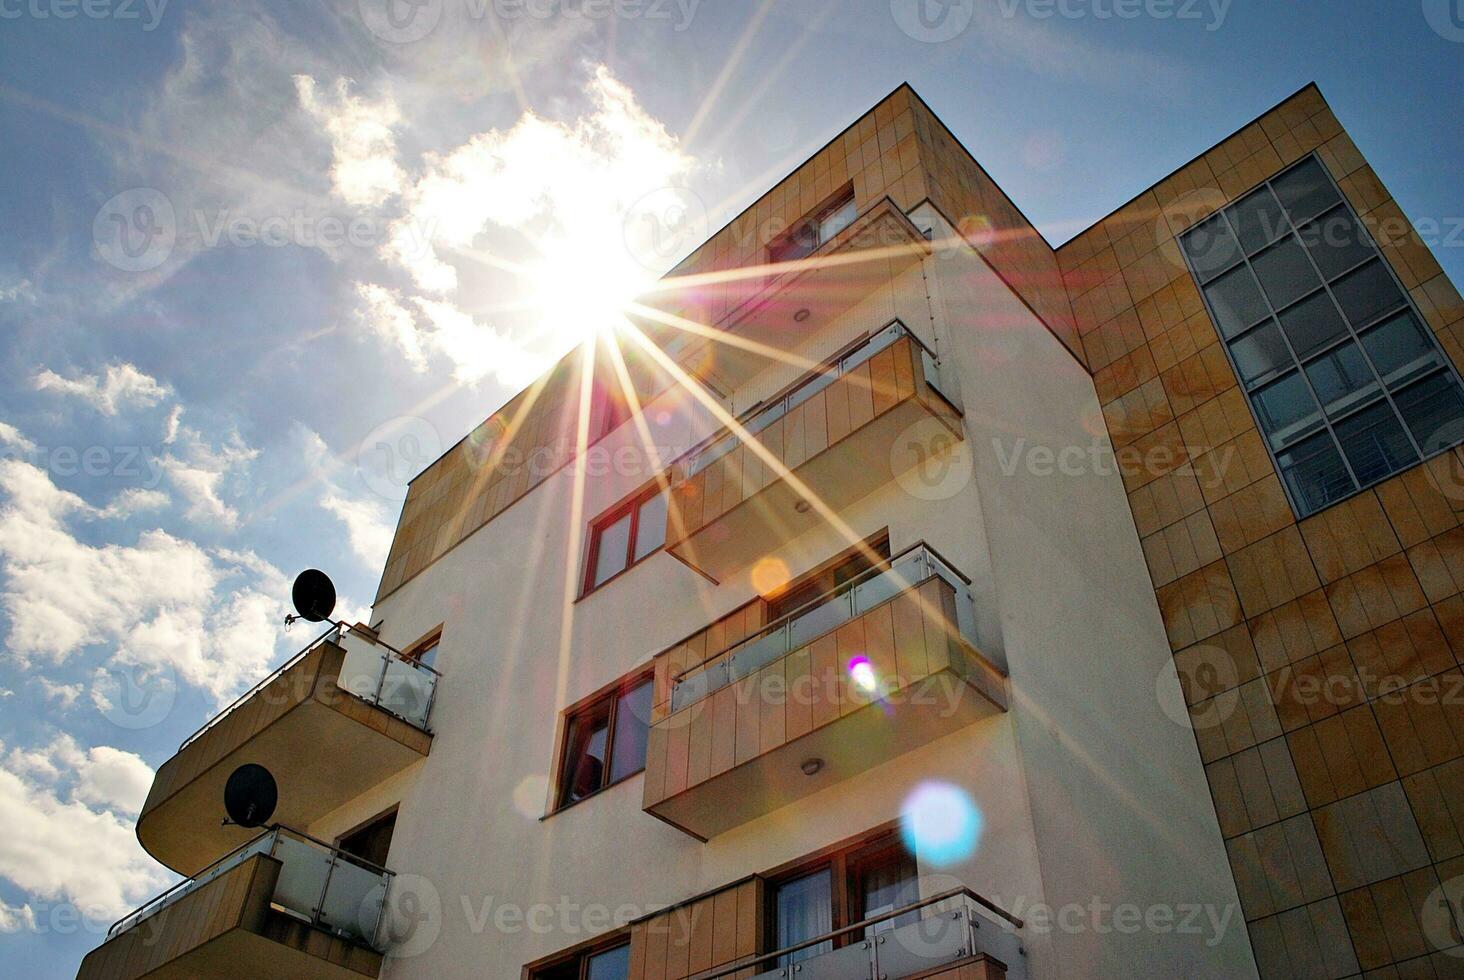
<point x="873" y="571"/>
<point x="945" y="896"/>
<point x="336" y="628"/>
<point x="728" y="432"/>
<point x="158" y="902"/>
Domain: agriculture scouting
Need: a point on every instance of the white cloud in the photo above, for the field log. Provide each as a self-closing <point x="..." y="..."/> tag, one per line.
<point x="68" y="819"/>
<point x="383" y="314"/>
<point x="170" y="427"/>
<point x="364" y="172"/>
<point x="65" y="695"/>
<point x="12" y="436"/>
<point x="16" y="918"/>
<point x="200" y="471"/>
<point x="118" y="385"/>
<point x="367" y="520"/>
<point x="22" y="290"/>
<point x="477" y="350"/>
<point x="566" y="186"/>
<point x="213" y="616"/>
<point x="369" y="534"/>
<point x="134" y="501"/>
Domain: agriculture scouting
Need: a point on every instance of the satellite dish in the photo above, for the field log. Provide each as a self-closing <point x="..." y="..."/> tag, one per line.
<point x="314" y="595"/>
<point x="250" y="795"/>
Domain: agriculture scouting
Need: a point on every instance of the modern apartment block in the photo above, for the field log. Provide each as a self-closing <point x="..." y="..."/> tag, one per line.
<point x="897" y="596"/>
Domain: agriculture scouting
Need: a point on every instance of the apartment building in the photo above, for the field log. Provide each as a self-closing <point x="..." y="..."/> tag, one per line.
<point x="897" y="596"/>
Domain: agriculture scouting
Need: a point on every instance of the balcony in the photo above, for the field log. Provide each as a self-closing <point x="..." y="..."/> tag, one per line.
<point x="956" y="934"/>
<point x="880" y="666"/>
<point x="842" y="432"/>
<point x="763" y="304"/>
<point x="341" y="716"/>
<point x="282" y="905"/>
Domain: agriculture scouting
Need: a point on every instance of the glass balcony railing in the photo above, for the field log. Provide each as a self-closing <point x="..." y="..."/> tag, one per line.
<point x="387" y="678"/>
<point x="372" y="670"/>
<point x="824" y="614"/>
<point x="765" y="415"/>
<point x="317" y="884"/>
<point x="947" y="928"/>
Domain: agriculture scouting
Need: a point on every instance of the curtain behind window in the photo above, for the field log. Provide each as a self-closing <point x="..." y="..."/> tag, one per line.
<point x="805" y="909"/>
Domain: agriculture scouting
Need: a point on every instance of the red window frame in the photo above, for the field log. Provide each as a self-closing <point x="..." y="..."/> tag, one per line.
<point x="632" y="506"/>
<point x="608" y="702"/>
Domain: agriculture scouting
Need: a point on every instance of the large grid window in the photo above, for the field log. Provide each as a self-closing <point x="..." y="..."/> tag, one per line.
<point x="1345" y="379"/>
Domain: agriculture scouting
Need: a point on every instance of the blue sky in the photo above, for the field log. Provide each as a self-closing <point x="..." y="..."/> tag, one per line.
<point x="345" y="245"/>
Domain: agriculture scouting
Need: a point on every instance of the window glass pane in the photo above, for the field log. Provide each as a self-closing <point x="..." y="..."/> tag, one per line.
<point x="814" y="385"/>
<point x="1236" y="301"/>
<point x="1285" y="272"/>
<point x="1286" y="409"/>
<point x="613" y="964"/>
<point x="1211" y="248"/>
<point x="836" y="220"/>
<point x="1400" y="350"/>
<point x="765" y="418"/>
<point x="1342" y="379"/>
<point x="1375" y="443"/>
<point x="632" y="723"/>
<point x="1315" y="473"/>
<point x="798" y="244"/>
<point x="1366" y="293"/>
<point x="1313" y="323"/>
<point x="1258" y="220"/>
<point x="1336" y="242"/>
<point x="1305" y="190"/>
<point x="613" y="540"/>
<point x="584" y="757"/>
<point x="650" y="530"/>
<point x="871" y="347"/>
<point x="889" y="884"/>
<point x="1260" y="352"/>
<point x="1434" y="411"/>
<point x="804" y="908"/>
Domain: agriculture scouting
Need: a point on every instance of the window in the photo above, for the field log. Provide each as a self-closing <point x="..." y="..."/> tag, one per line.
<point x="372" y="840"/>
<point x="807" y="235"/>
<point x="425" y="651"/>
<point x="605" y="741"/>
<point x="828" y="578"/>
<point x="1346" y="382"/>
<point x="629" y="533"/>
<point x="603" y="964"/>
<point x="847" y="886"/>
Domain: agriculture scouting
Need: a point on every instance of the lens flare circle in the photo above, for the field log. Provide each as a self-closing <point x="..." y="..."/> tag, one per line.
<point x="770" y="575"/>
<point x="940" y="823"/>
<point x="861" y="672"/>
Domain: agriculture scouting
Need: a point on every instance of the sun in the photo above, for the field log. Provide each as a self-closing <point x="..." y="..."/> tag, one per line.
<point x="580" y="292"/>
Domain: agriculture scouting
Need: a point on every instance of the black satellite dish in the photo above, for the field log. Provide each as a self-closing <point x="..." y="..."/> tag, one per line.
<point x="250" y="795"/>
<point x="314" y="595"/>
